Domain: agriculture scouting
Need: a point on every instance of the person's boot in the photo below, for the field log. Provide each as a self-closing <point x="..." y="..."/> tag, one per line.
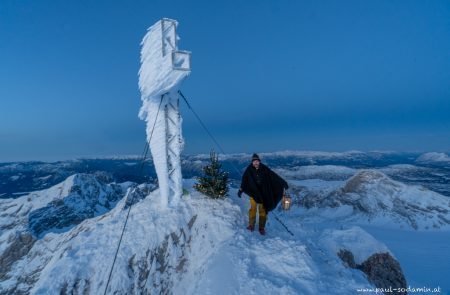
<point x="262" y="231"/>
<point x="251" y="227"/>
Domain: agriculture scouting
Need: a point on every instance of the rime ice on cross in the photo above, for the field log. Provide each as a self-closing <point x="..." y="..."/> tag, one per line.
<point x="163" y="68"/>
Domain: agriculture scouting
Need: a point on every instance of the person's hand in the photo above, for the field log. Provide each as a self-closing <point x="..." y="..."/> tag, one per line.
<point x="239" y="193"/>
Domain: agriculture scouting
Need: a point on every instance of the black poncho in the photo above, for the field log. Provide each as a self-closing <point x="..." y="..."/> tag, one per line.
<point x="270" y="189"/>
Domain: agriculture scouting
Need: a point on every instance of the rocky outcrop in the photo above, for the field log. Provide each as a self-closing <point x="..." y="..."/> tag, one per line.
<point x="20" y="245"/>
<point x="158" y="268"/>
<point x="384" y="272"/>
<point x="381" y="269"/>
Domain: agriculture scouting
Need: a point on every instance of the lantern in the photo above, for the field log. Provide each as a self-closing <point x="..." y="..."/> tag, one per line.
<point x="286" y="201"/>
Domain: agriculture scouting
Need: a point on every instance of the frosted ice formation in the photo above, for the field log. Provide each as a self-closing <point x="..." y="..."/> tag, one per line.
<point x="163" y="68"/>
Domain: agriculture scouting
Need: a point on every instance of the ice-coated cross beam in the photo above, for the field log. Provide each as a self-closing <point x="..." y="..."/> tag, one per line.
<point x="163" y="68"/>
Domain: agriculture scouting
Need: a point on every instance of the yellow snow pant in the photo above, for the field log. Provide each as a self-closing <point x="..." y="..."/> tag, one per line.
<point x="252" y="214"/>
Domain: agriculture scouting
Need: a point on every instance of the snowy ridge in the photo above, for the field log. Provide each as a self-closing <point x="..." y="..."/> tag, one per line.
<point x="29" y="220"/>
<point x="57" y="209"/>
<point x="372" y="196"/>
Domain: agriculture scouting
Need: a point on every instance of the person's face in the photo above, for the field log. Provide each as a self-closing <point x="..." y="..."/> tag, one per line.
<point x="256" y="164"/>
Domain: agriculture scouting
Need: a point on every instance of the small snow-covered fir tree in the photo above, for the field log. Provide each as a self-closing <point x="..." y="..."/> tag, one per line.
<point x="214" y="181"/>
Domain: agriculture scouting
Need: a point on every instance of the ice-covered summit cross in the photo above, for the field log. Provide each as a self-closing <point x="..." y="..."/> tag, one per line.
<point x="163" y="68"/>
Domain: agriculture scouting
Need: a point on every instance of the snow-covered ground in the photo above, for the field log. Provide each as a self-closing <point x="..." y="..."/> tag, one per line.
<point x="201" y="246"/>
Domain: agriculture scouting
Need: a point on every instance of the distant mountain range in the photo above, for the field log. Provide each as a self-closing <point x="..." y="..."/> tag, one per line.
<point x="431" y="170"/>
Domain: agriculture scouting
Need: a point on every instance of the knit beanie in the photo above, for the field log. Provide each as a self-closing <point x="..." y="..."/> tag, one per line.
<point x="255" y="157"/>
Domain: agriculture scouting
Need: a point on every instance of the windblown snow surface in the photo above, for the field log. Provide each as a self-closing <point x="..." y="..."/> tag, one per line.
<point x="201" y="246"/>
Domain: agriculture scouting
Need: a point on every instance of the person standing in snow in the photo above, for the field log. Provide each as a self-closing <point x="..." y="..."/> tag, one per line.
<point x="265" y="189"/>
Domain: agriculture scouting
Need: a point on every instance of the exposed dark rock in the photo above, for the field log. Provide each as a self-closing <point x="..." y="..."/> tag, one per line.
<point x="162" y="263"/>
<point x="21" y="244"/>
<point x="347" y="257"/>
<point x="381" y="269"/>
<point x="384" y="271"/>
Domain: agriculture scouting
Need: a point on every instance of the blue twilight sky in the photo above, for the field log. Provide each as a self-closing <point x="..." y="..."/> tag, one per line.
<point x="266" y="75"/>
